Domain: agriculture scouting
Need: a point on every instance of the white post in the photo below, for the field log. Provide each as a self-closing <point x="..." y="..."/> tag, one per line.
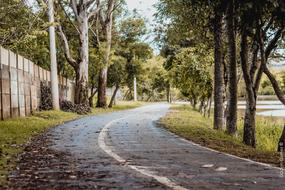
<point x="135" y="89"/>
<point x="53" y="62"/>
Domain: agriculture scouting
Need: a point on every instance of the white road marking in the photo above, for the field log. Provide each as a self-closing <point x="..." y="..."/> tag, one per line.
<point x="221" y="169"/>
<point x="141" y="169"/>
<point x="208" y="166"/>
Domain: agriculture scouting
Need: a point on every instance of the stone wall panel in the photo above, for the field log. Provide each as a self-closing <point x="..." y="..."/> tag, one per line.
<point x="20" y="81"/>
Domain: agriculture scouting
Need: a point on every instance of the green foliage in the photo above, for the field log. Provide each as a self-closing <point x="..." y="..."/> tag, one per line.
<point x="132" y="29"/>
<point x="183" y="20"/>
<point x="46" y="97"/>
<point x="95" y="62"/>
<point x="190" y="72"/>
<point x="24" y="30"/>
<point x="117" y="72"/>
<point x="154" y="81"/>
<point x="132" y="51"/>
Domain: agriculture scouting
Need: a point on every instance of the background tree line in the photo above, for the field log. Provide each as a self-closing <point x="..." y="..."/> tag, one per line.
<point x="241" y="35"/>
<point x="93" y="37"/>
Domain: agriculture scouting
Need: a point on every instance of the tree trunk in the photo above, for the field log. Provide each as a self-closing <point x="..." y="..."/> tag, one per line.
<point x="205" y="108"/>
<point x="102" y="83"/>
<point x="102" y="86"/>
<point x="249" y="118"/>
<point x="194" y="103"/>
<point x="91" y="97"/>
<point x="249" y="126"/>
<point x="218" y="73"/>
<point x="91" y="103"/>
<point x="168" y="93"/>
<point x="114" y="96"/>
<point x="231" y="123"/>
<point x="281" y="142"/>
<point x="209" y="108"/>
<point x="81" y="97"/>
<point x="201" y="106"/>
<point x="126" y="95"/>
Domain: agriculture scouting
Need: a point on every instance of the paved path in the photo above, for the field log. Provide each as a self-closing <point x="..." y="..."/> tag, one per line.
<point x="126" y="150"/>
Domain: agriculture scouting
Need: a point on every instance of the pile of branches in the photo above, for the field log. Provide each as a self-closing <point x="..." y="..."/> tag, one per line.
<point x="46" y="99"/>
<point x="68" y="106"/>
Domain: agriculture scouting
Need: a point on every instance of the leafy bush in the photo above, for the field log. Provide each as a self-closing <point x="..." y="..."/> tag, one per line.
<point x="46" y="99"/>
<point x="268" y="90"/>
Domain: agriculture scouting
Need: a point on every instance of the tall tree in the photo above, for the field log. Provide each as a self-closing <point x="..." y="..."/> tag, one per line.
<point x="116" y="77"/>
<point x="132" y="49"/>
<point x="262" y="32"/>
<point x="190" y="73"/>
<point x="231" y="123"/>
<point x="218" y="66"/>
<point x="81" y="12"/>
<point x="106" y="23"/>
<point x="188" y="25"/>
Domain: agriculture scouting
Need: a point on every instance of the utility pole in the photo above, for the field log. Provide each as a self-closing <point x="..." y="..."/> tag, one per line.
<point x="135" y="84"/>
<point x="53" y="62"/>
<point x="135" y="89"/>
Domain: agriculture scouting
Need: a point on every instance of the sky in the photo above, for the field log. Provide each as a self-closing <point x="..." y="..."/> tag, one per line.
<point x="144" y="7"/>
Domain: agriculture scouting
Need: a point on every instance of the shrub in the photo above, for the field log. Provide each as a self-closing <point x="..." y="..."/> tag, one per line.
<point x="46" y="99"/>
<point x="68" y="106"/>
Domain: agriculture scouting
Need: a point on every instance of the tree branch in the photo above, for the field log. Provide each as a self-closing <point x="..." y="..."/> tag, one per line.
<point x="272" y="44"/>
<point x="269" y="24"/>
<point x="244" y="66"/>
<point x="73" y="5"/>
<point x="68" y="17"/>
<point x="260" y="40"/>
<point x="110" y="9"/>
<point x="275" y="85"/>
<point x="67" y="54"/>
<point x="254" y="63"/>
<point x="96" y="11"/>
<point x="274" y="82"/>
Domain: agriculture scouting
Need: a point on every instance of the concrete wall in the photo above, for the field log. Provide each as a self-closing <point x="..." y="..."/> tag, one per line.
<point x="20" y="81"/>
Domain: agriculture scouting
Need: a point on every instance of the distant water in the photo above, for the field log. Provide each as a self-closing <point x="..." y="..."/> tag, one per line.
<point x="273" y="108"/>
<point x="273" y="113"/>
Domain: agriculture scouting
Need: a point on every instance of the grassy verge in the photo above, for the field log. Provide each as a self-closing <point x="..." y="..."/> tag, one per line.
<point x="121" y="105"/>
<point x="188" y="123"/>
<point x="15" y="133"/>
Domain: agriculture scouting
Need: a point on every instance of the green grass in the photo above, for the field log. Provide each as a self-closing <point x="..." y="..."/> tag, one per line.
<point x="121" y="105"/>
<point x="268" y="132"/>
<point x="16" y="132"/>
<point x="190" y="124"/>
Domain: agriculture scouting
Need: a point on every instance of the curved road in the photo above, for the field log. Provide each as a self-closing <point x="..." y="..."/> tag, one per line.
<point x="126" y="150"/>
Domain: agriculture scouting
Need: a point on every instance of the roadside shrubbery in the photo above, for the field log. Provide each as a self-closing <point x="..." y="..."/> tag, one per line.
<point x="68" y="106"/>
<point x="46" y="99"/>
